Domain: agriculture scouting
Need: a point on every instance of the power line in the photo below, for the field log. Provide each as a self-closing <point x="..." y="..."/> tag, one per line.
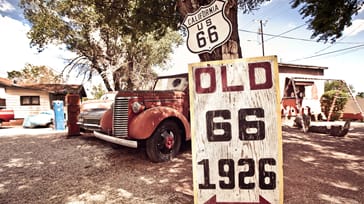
<point x="293" y="38"/>
<point x="327" y="53"/>
<point x="348" y="50"/>
<point x="339" y="40"/>
<point x="279" y="35"/>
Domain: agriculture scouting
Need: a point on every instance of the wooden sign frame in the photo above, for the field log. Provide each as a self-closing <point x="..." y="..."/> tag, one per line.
<point x="236" y="131"/>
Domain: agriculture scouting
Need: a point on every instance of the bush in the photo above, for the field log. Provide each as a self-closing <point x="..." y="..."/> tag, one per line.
<point x="327" y="99"/>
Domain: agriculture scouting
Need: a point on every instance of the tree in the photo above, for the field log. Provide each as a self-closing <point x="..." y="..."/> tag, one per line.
<point x="338" y="85"/>
<point x="231" y="49"/>
<point x="142" y="56"/>
<point x="334" y="99"/>
<point x="35" y="74"/>
<point x="360" y="94"/>
<point x="97" y="91"/>
<point x="327" y="20"/>
<point x="109" y="37"/>
<point x="101" y="33"/>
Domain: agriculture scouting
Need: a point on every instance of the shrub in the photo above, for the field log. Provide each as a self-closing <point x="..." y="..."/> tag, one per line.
<point x="327" y="99"/>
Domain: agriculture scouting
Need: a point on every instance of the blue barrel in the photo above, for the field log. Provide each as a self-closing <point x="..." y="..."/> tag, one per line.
<point x="58" y="115"/>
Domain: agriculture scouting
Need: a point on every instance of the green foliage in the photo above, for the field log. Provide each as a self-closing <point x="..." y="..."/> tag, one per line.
<point x="327" y="101"/>
<point x="250" y="5"/>
<point x="360" y="94"/>
<point x="328" y="19"/>
<point x="98" y="91"/>
<point x="336" y="85"/>
<point x="334" y="91"/>
<point x="34" y="74"/>
<point x="156" y="16"/>
<point x="339" y="85"/>
<point x="121" y="40"/>
<point x="111" y="38"/>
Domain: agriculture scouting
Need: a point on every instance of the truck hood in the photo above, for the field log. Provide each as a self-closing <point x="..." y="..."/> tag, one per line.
<point x="96" y="104"/>
<point x="150" y="99"/>
<point x="152" y="94"/>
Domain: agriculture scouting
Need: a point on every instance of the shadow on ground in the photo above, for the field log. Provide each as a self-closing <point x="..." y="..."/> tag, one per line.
<point x="323" y="169"/>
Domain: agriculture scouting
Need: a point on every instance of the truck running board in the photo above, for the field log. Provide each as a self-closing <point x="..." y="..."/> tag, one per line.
<point x="119" y="141"/>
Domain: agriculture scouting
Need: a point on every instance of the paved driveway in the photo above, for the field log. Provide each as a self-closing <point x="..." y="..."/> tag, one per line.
<point x="49" y="167"/>
<point x="18" y="131"/>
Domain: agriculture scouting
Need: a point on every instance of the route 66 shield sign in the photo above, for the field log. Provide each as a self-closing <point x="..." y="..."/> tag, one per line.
<point x="208" y="27"/>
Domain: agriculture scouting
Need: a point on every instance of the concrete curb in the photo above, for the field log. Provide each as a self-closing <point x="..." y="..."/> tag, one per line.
<point x="20" y="131"/>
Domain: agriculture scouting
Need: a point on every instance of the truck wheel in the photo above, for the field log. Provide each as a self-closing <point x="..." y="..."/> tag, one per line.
<point x="165" y="142"/>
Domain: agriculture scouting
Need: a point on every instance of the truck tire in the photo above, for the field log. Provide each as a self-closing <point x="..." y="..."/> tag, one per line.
<point x="165" y="142"/>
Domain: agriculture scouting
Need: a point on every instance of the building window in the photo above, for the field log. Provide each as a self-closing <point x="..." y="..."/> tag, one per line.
<point x="2" y="103"/>
<point x="29" y="100"/>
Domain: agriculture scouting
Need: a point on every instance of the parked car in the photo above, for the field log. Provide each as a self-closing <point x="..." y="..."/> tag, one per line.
<point x="92" y="110"/>
<point x="6" y="115"/>
<point x="43" y="119"/>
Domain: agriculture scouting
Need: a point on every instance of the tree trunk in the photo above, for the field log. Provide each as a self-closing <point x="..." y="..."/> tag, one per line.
<point x="231" y="49"/>
<point x="107" y="84"/>
<point x="123" y="77"/>
<point x="130" y="83"/>
<point x="117" y="78"/>
<point x="105" y="79"/>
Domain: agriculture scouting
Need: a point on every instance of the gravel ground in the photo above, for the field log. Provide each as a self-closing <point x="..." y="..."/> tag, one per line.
<point x="54" y="168"/>
<point x="58" y="169"/>
<point x="324" y="169"/>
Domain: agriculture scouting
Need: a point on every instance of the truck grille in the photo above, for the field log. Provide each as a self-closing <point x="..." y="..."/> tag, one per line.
<point x="120" y="117"/>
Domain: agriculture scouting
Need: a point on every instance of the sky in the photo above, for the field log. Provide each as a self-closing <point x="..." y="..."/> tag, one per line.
<point x="285" y="35"/>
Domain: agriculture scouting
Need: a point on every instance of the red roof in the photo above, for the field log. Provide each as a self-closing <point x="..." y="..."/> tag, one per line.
<point x="51" y="88"/>
<point x="5" y="82"/>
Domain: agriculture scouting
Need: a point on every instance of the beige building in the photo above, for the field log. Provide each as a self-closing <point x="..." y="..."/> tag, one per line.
<point x="29" y="99"/>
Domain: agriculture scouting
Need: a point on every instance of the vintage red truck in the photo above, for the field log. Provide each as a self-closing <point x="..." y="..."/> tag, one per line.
<point x="157" y="119"/>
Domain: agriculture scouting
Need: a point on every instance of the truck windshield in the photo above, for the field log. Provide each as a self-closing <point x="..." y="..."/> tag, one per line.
<point x="172" y="84"/>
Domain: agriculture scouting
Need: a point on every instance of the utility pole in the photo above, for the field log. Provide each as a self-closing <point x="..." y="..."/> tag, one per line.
<point x="261" y="34"/>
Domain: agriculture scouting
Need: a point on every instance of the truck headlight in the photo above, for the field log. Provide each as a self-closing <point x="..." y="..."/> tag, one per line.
<point x="137" y="107"/>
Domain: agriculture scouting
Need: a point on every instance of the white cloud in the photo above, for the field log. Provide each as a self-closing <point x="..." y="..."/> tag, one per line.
<point x="15" y="50"/>
<point x="361" y="9"/>
<point x="356" y="27"/>
<point x="6" y="6"/>
<point x="266" y="3"/>
<point x="180" y="59"/>
<point x="14" y="43"/>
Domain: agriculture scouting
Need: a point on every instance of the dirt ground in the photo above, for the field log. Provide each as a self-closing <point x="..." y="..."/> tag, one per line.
<point x="83" y="169"/>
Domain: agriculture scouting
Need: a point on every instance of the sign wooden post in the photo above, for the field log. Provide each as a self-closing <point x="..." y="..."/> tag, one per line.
<point x="236" y="131"/>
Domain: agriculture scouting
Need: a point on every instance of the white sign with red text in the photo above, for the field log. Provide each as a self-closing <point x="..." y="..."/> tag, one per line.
<point x="208" y="27"/>
<point x="236" y="131"/>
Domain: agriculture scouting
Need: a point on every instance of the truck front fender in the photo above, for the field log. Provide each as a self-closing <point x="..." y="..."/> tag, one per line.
<point x="143" y="125"/>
